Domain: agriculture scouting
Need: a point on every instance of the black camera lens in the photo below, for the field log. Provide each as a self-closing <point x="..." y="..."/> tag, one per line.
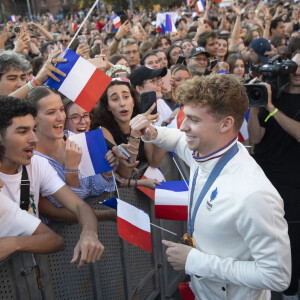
<point x="256" y="94"/>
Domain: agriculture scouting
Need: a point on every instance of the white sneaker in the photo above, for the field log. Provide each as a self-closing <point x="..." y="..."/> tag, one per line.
<point x="292" y="297"/>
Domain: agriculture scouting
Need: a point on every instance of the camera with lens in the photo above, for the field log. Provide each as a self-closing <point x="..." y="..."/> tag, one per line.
<point x="276" y="73"/>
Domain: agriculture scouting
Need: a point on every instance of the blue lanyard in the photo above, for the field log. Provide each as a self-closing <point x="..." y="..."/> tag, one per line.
<point x="209" y="182"/>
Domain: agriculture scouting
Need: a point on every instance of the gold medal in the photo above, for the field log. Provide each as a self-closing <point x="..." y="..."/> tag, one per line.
<point x="188" y="240"/>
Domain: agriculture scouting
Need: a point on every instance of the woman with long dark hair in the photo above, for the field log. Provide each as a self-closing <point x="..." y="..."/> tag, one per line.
<point x="118" y="105"/>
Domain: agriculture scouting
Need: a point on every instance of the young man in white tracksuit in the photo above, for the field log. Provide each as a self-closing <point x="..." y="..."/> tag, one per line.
<point x="242" y="248"/>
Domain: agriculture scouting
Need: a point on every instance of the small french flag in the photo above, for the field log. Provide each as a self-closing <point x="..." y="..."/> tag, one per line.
<point x="84" y="83"/>
<point x="170" y="26"/>
<point x="177" y="121"/>
<point x="116" y="21"/>
<point x="171" y="201"/>
<point x="186" y="291"/>
<point x="199" y="6"/>
<point x="152" y="173"/>
<point x="93" y="151"/>
<point x="13" y="18"/>
<point x="243" y="134"/>
<point x="189" y="2"/>
<point x="133" y="223"/>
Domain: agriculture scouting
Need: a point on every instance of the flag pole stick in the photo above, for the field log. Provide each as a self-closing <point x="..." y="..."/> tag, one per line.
<point x="78" y="30"/>
<point x="163" y="229"/>
<point x="116" y="184"/>
<point x="180" y="172"/>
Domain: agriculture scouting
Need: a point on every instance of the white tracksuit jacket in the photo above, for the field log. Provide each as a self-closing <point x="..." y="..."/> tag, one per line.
<point x="242" y="244"/>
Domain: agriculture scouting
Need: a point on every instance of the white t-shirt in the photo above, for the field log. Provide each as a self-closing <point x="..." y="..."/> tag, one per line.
<point x="43" y="180"/>
<point x="13" y="220"/>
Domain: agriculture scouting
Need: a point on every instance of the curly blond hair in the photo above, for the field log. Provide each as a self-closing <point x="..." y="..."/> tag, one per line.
<point x="223" y="95"/>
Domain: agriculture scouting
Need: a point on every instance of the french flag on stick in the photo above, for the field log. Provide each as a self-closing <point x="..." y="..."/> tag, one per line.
<point x="186" y="291"/>
<point x="93" y="151"/>
<point x="84" y="83"/>
<point x="133" y="223"/>
<point x="116" y="21"/>
<point x="171" y="201"/>
<point x="152" y="173"/>
<point x="170" y="26"/>
<point x="199" y="6"/>
<point x="243" y="134"/>
<point x="176" y="123"/>
<point x="13" y="18"/>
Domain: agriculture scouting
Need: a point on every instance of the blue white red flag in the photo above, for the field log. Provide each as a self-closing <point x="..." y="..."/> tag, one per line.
<point x="243" y="133"/>
<point x="177" y="121"/>
<point x="189" y="2"/>
<point x="169" y="25"/>
<point x="84" y="83"/>
<point x="116" y="21"/>
<point x="13" y="18"/>
<point x="171" y="201"/>
<point x="133" y="223"/>
<point x="93" y="151"/>
<point x="165" y="22"/>
<point x="153" y="173"/>
<point x="186" y="291"/>
<point x="199" y="6"/>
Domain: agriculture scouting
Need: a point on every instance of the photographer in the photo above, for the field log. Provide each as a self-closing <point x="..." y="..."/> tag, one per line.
<point x="275" y="131"/>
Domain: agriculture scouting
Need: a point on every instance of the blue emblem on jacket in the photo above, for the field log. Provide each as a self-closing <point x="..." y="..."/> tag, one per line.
<point x="213" y="196"/>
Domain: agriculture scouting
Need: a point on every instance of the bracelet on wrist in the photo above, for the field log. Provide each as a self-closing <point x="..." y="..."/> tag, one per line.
<point x="129" y="182"/>
<point x="118" y="40"/>
<point x="136" y="148"/>
<point x="135" y="185"/>
<point x="71" y="170"/>
<point x="271" y="114"/>
<point x="30" y="85"/>
<point x="136" y="139"/>
<point x="135" y="153"/>
<point x="35" y="82"/>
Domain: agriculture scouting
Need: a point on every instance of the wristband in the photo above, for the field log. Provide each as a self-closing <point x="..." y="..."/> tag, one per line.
<point x="271" y="114"/>
<point x="135" y="185"/>
<point x="30" y="85"/>
<point x="117" y="39"/>
<point x="136" y="139"/>
<point x="135" y="153"/>
<point x="35" y="82"/>
<point x="71" y="170"/>
<point x="129" y="182"/>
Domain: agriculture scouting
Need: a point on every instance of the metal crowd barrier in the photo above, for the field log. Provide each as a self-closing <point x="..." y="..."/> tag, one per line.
<point x="124" y="271"/>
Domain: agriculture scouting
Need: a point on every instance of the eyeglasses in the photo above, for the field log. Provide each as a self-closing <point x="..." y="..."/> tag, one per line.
<point x="176" y="53"/>
<point x="64" y="41"/>
<point x="156" y="80"/>
<point x="76" y="119"/>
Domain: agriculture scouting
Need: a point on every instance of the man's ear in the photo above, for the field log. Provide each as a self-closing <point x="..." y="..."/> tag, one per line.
<point x="227" y="124"/>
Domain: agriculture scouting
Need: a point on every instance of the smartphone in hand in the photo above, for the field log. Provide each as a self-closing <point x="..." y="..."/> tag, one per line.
<point x="147" y="100"/>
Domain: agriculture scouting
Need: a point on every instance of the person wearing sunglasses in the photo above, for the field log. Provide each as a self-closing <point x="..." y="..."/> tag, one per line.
<point x="63" y="40"/>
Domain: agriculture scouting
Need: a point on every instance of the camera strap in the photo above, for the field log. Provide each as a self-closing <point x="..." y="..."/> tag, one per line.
<point x="24" y="190"/>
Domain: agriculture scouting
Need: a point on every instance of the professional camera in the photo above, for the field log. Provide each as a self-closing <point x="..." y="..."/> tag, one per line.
<point x="276" y="73"/>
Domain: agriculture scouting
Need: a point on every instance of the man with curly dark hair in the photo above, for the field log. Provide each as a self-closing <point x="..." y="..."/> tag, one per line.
<point x="19" y="162"/>
<point x="238" y="242"/>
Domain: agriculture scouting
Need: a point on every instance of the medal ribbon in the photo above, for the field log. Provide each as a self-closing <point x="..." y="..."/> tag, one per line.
<point x="209" y="182"/>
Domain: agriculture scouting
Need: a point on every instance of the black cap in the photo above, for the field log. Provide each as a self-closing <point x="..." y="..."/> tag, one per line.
<point x="142" y="73"/>
<point x="197" y="50"/>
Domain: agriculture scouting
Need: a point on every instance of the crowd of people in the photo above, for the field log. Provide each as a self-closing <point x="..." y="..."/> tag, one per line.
<point x="252" y="206"/>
